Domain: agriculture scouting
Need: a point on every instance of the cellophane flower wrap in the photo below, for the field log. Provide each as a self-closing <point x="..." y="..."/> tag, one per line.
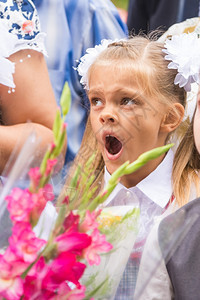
<point x="66" y="248"/>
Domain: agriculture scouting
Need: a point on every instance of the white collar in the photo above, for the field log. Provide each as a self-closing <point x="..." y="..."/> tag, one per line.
<point x="156" y="186"/>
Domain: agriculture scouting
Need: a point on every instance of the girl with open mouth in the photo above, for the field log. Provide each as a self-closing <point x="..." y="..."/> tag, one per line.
<point x="134" y="107"/>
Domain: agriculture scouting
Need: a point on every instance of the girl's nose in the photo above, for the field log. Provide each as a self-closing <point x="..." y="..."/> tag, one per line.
<point x="108" y="116"/>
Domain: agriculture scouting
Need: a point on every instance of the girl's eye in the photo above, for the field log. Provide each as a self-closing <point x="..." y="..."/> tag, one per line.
<point x="128" y="101"/>
<point x="96" y="102"/>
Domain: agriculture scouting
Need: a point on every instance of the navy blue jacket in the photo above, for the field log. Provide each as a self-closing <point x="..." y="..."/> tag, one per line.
<point x="147" y="15"/>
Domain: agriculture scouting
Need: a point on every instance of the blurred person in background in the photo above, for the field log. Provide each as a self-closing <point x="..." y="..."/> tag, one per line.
<point x="27" y="101"/>
<point x="148" y="15"/>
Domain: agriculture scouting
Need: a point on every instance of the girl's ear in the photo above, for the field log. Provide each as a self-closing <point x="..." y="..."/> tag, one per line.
<point x="173" y="118"/>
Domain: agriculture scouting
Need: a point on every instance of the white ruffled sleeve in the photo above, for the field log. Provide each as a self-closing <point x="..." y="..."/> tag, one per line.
<point x="19" y="30"/>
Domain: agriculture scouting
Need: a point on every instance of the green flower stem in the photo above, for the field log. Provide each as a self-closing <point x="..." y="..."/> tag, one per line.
<point x="87" y="186"/>
<point x="60" y="218"/>
<point x="146" y="157"/>
<point x="87" y="177"/>
<point x="126" y="169"/>
<point x="65" y="100"/>
<point x="50" y="251"/>
<point x="24" y="274"/>
<point x="117" y="174"/>
<point x="59" y="133"/>
<point x="102" y="197"/>
<point x="90" y="161"/>
<point x="44" y="180"/>
<point x="57" y="126"/>
<point x="74" y="180"/>
<point x="44" y="161"/>
<point x="71" y="191"/>
<point x="60" y="143"/>
<point x="113" y="181"/>
<point x="47" y="252"/>
<point x="30" y="267"/>
<point x="86" y="199"/>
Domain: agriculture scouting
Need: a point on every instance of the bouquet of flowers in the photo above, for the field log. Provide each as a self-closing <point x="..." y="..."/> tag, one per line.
<point x="120" y="225"/>
<point x="52" y="248"/>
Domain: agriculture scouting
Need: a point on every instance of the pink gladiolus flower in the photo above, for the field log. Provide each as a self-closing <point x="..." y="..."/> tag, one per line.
<point x="11" y="266"/>
<point x="40" y="200"/>
<point x="64" y="127"/>
<point x="52" y="147"/>
<point x="20" y="203"/>
<point x="33" y="282"/>
<point x="24" y="242"/>
<point x="71" y="222"/>
<point x="63" y="268"/>
<point x="50" y="164"/>
<point x="89" y="222"/>
<point x="64" y="292"/>
<point x="98" y="245"/>
<point x="104" y="193"/>
<point x="35" y="176"/>
<point x="48" y="192"/>
<point x="44" y="280"/>
<point x="25" y="206"/>
<point x="73" y="242"/>
<point x="11" y="289"/>
<point x="66" y="200"/>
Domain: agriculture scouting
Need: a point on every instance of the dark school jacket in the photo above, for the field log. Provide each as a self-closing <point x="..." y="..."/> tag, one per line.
<point x="179" y="240"/>
<point x="147" y="15"/>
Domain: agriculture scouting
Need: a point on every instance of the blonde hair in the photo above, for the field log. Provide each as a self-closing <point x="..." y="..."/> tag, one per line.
<point x="185" y="168"/>
<point x="145" y="56"/>
<point x="150" y="70"/>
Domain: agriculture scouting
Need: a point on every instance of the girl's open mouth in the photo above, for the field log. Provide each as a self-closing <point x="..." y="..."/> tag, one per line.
<point x="113" y="145"/>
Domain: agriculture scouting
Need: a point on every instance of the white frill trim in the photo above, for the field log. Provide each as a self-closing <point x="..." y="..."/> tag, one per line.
<point x="7" y="47"/>
<point x="7" y="69"/>
<point x="88" y="59"/>
<point x="36" y="44"/>
<point x="184" y="52"/>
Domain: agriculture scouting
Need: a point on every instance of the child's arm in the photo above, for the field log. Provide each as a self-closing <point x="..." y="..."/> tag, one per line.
<point x="33" y="100"/>
<point x="153" y="281"/>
